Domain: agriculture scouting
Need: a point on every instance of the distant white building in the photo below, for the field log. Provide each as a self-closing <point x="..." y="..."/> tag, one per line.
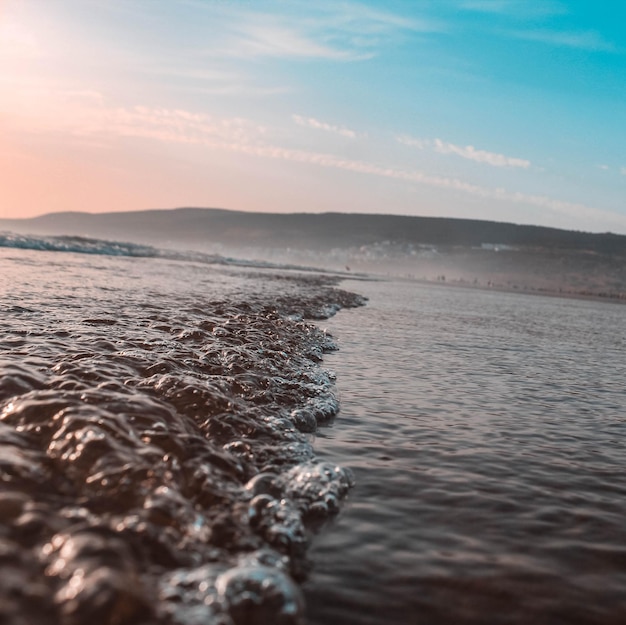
<point x="496" y="247"/>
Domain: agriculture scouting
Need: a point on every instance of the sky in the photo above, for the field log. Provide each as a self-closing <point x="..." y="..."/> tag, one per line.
<point x="506" y="110"/>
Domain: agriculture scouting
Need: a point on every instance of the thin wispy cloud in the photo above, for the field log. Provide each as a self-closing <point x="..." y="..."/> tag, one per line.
<point x="623" y="171"/>
<point x="85" y="113"/>
<point x="514" y="8"/>
<point x="200" y="75"/>
<point x="311" y="122"/>
<point x="174" y="126"/>
<point x="269" y="39"/>
<point x="236" y="89"/>
<point x="330" y="31"/>
<point x="212" y="81"/>
<point x="357" y="18"/>
<point x="420" y="144"/>
<point x="468" y="152"/>
<point x="486" y="6"/>
<point x="582" y="40"/>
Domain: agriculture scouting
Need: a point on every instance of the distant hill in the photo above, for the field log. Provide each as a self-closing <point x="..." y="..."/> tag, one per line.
<point x="319" y="232"/>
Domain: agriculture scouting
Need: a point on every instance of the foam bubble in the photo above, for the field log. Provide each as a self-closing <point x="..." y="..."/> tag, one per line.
<point x="155" y="451"/>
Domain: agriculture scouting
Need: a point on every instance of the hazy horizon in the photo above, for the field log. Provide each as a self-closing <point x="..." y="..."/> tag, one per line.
<point x="480" y="109"/>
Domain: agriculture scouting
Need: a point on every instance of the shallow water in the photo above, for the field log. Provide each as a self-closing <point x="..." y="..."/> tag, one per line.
<point x="156" y="422"/>
<point x="169" y="454"/>
<point x="487" y="435"/>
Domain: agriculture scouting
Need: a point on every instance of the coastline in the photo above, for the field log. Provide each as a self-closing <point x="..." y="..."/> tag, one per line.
<point x="613" y="298"/>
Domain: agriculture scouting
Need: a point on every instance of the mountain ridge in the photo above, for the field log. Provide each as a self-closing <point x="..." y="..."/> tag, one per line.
<point x="315" y="231"/>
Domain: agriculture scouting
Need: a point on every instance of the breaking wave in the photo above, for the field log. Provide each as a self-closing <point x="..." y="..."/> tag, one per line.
<point x="102" y="247"/>
<point x="156" y="446"/>
<point x="79" y="245"/>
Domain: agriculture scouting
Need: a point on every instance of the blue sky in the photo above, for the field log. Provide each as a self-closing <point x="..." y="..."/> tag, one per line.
<point x="512" y="110"/>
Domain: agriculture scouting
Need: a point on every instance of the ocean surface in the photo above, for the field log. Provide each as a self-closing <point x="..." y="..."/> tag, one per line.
<point x="173" y="451"/>
<point x="487" y="436"/>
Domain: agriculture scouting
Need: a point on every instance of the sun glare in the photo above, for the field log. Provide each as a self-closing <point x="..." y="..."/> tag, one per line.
<point x="17" y="41"/>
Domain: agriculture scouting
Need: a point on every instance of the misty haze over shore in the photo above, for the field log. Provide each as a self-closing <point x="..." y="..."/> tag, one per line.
<point x="480" y="253"/>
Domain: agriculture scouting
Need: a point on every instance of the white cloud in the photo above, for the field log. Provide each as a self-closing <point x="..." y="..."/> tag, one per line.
<point x="603" y="167"/>
<point x="420" y="144"/>
<point x="311" y="122"/>
<point x="480" y="156"/>
<point x="468" y="152"/>
<point x="173" y="126"/>
<point x="86" y="114"/>
<point x="623" y="171"/>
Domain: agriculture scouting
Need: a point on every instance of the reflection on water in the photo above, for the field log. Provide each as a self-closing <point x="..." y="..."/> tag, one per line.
<point x="487" y="434"/>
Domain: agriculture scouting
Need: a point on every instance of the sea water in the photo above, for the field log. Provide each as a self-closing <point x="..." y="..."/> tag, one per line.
<point x="487" y="435"/>
<point x="171" y="452"/>
<point x="157" y="413"/>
